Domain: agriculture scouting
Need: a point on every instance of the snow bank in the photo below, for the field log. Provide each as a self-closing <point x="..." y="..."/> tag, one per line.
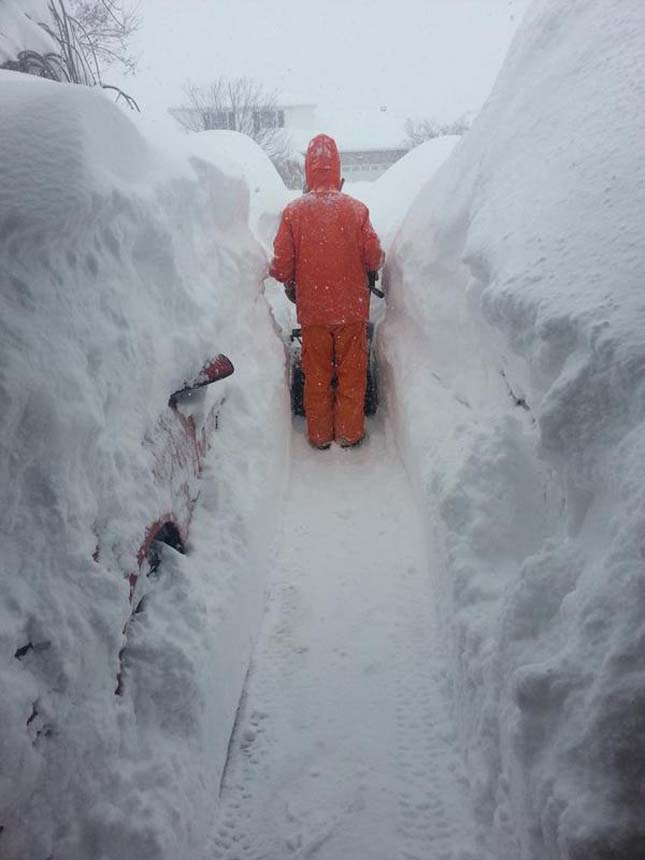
<point x="390" y="197"/>
<point x="121" y="271"/>
<point x="239" y="155"/>
<point x="514" y="355"/>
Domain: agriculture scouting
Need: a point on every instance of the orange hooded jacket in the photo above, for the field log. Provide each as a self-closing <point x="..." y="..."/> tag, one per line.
<point x="326" y="244"/>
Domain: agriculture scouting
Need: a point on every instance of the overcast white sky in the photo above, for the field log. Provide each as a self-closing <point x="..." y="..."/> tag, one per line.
<point x="435" y="58"/>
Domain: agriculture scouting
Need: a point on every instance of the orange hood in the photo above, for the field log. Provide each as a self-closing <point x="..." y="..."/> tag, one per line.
<point x="322" y="164"/>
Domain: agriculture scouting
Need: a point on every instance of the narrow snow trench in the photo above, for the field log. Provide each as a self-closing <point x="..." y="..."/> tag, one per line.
<point x="344" y="748"/>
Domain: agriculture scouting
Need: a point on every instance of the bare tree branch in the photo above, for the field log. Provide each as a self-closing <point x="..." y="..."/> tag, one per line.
<point x="237" y="104"/>
<point x="421" y="130"/>
<point x="107" y="27"/>
<point x="96" y="35"/>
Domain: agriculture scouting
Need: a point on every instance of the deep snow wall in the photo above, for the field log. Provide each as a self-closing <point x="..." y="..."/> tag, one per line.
<point x="122" y="270"/>
<point x="513" y="353"/>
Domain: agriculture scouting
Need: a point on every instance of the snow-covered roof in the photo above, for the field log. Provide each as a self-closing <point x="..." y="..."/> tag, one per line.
<point x="362" y="129"/>
<point x="287" y="100"/>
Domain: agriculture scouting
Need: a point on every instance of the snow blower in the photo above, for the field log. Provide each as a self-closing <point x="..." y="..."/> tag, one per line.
<point x="297" y="379"/>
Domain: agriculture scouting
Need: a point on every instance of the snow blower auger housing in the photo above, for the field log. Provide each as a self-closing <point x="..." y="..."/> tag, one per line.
<point x="297" y="380"/>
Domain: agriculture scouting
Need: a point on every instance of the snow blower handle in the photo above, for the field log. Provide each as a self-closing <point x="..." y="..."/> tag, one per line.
<point x="290" y="291"/>
<point x="372" y="278"/>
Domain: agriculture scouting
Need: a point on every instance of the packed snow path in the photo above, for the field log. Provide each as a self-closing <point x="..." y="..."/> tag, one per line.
<point x="344" y="748"/>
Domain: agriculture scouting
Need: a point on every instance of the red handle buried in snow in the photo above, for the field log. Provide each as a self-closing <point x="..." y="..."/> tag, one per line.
<point x="218" y="368"/>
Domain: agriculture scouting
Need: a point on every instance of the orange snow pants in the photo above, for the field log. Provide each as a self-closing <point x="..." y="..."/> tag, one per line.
<point x="335" y="351"/>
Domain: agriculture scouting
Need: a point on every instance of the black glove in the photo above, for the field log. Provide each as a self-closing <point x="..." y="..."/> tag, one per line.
<point x="372" y="278"/>
<point x="290" y="291"/>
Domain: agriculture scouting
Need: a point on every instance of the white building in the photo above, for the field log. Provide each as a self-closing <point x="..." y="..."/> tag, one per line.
<point x="369" y="140"/>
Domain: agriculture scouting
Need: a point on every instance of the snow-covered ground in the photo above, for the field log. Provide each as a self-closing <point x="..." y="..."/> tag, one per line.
<point x="345" y="745"/>
<point x="450" y="667"/>
<point x="514" y="354"/>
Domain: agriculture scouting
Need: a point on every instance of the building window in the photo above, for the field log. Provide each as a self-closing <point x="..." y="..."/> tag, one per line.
<point x="218" y="119"/>
<point x="267" y="118"/>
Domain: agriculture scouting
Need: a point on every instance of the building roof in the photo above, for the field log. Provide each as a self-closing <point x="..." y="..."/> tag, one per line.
<point x="360" y="129"/>
<point x="287" y="100"/>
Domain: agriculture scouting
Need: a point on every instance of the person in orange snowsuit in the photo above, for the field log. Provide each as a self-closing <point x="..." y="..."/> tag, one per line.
<point x="326" y="245"/>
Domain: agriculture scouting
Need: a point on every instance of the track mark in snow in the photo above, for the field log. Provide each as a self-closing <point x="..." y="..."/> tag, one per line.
<point x="344" y="746"/>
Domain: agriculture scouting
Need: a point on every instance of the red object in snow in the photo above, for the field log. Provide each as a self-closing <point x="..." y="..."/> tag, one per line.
<point x="218" y="368"/>
<point x="179" y="451"/>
